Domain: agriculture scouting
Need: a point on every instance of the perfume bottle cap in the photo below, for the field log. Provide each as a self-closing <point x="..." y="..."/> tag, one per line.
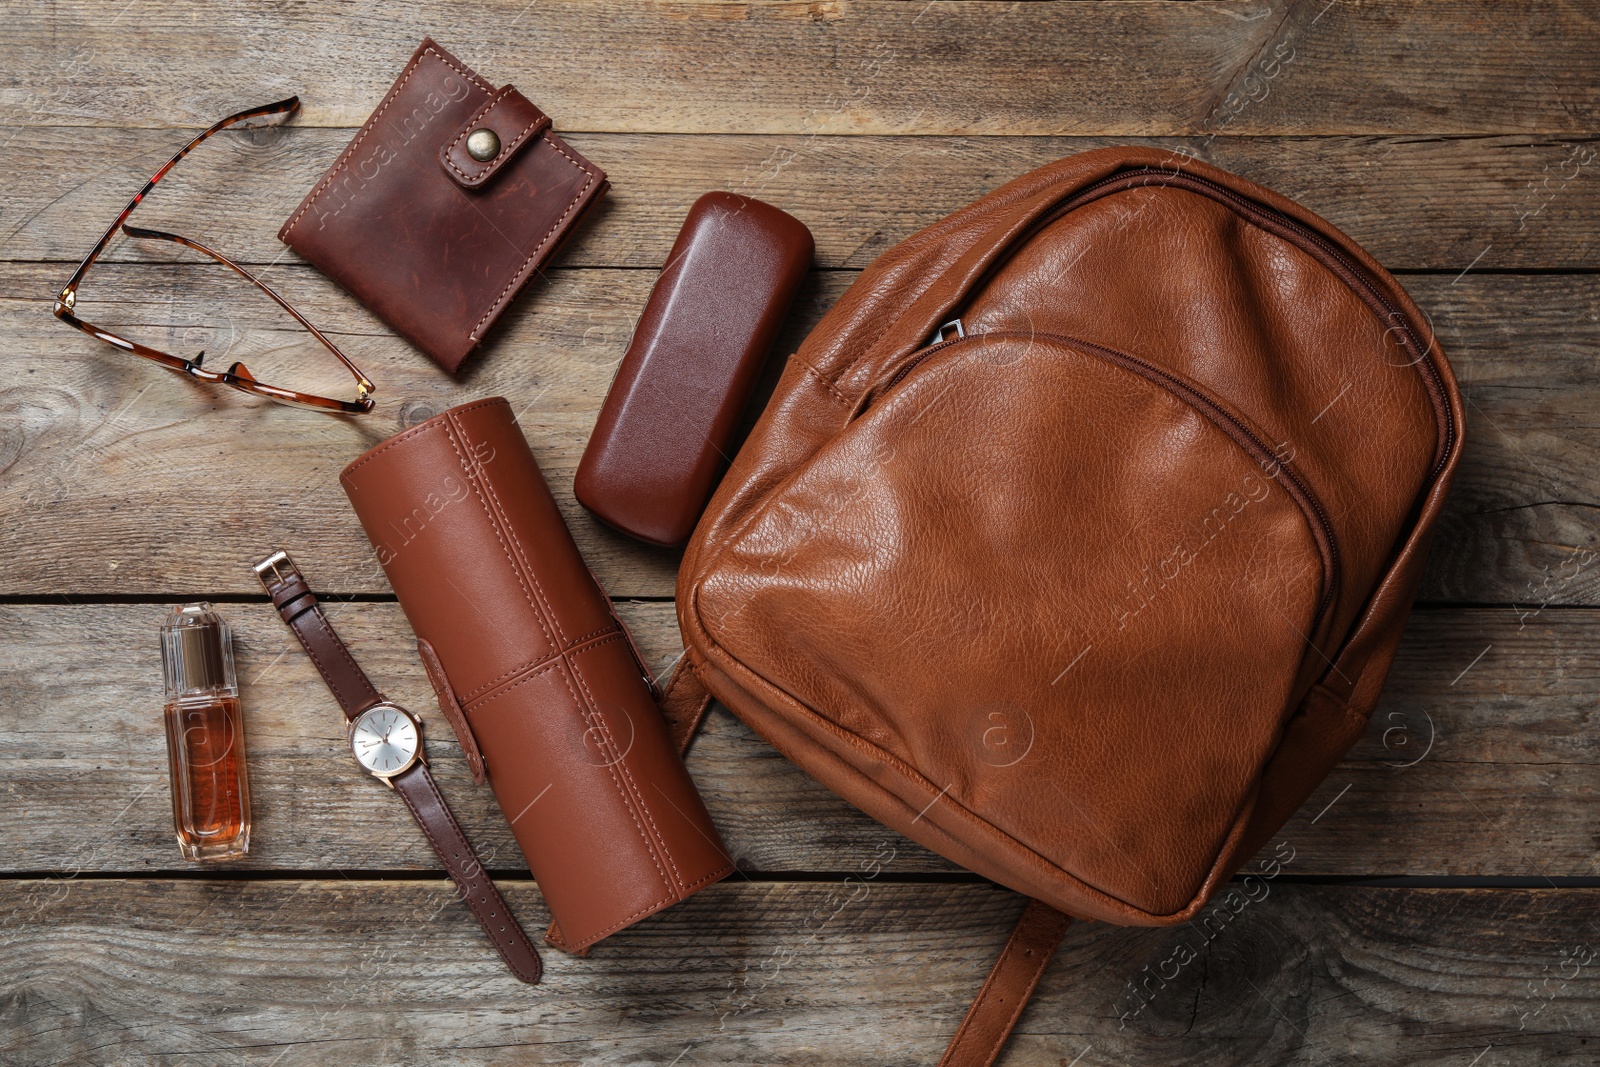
<point x="197" y="652"/>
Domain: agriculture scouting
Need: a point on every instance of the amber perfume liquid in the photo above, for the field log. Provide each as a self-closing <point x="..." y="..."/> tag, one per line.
<point x="205" y="736"/>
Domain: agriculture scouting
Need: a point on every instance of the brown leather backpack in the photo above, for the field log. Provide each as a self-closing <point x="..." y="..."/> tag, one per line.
<point x="1077" y="539"/>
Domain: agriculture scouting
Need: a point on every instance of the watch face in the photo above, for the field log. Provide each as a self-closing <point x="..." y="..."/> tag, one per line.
<point x="385" y="740"/>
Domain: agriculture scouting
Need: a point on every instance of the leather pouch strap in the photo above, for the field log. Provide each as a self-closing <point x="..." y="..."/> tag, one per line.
<point x="627" y="634"/>
<point x="1015" y="974"/>
<point x="452" y="711"/>
<point x="1006" y="991"/>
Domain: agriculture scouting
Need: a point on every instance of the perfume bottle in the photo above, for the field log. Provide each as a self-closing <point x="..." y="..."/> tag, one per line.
<point x="205" y="735"/>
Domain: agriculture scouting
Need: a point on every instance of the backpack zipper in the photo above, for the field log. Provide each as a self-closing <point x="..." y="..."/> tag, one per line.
<point x="1243" y="436"/>
<point x="1353" y="275"/>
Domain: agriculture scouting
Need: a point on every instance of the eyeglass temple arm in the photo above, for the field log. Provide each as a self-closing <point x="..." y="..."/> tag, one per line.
<point x="363" y="386"/>
<point x="69" y="292"/>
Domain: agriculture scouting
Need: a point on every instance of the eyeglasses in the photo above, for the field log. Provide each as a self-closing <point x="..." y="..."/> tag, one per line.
<point x="237" y="376"/>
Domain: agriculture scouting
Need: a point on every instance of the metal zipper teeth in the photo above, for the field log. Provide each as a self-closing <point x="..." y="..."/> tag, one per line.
<point x="1357" y="275"/>
<point x="1242" y="435"/>
<point x="918" y="357"/>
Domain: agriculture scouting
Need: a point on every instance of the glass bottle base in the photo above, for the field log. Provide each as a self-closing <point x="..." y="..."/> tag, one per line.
<point x="211" y="851"/>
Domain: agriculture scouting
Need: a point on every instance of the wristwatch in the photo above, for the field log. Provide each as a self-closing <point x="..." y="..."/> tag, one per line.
<point x="386" y="740"/>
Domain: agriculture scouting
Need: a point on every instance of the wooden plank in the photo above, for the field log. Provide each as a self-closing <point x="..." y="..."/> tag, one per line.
<point x="830" y="67"/>
<point x="102" y="438"/>
<point x="1479" y="761"/>
<point x="1519" y="526"/>
<point x="869" y="972"/>
<point x="112" y="466"/>
<point x="1430" y="202"/>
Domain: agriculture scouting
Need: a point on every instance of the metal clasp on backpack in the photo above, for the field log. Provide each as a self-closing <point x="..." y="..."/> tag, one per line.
<point x="953" y="324"/>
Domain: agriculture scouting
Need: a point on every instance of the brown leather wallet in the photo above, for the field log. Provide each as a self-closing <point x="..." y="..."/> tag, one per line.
<point x="446" y="202"/>
<point x="666" y="429"/>
<point x="534" y="671"/>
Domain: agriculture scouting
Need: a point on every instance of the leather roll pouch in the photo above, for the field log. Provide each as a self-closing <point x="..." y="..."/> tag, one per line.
<point x="666" y="429"/>
<point x="534" y="671"/>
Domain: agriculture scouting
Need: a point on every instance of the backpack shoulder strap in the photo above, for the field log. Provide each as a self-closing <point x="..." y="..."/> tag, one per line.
<point x="1011" y="981"/>
<point x="684" y="703"/>
<point x="1006" y="991"/>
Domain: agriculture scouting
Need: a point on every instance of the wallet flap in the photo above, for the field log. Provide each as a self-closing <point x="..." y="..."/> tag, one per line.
<point x="450" y="707"/>
<point x="491" y="137"/>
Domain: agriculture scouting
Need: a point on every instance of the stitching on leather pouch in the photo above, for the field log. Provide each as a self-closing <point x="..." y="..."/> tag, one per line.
<point x="634" y="795"/>
<point x="543" y="665"/>
<point x="583" y="708"/>
<point x="517" y="278"/>
<point x="659" y="842"/>
<point x="467" y="130"/>
<point x="612" y="625"/>
<point x="466" y="698"/>
<point x="495" y="515"/>
<point x="421" y="428"/>
<point x="494" y="523"/>
<point x="372" y="123"/>
<point x="514" y="546"/>
<point x="480" y="486"/>
<point x="552" y="664"/>
<point x="622" y="794"/>
<point x="663" y="902"/>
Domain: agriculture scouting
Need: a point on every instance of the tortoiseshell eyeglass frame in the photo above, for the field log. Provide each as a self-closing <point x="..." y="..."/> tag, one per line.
<point x="236" y="376"/>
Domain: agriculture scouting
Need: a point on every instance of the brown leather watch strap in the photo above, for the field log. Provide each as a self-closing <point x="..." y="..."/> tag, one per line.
<point x="417" y="788"/>
<point x="1005" y="992"/>
<point x="355" y="693"/>
<point x="298" y="606"/>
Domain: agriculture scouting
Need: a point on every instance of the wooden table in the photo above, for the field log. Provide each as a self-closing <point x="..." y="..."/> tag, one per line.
<point x="1442" y="903"/>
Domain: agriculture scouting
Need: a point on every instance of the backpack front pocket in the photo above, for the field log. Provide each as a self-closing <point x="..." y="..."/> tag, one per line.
<point x="1059" y="591"/>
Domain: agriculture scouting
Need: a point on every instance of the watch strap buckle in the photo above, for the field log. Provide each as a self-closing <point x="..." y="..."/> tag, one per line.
<point x="280" y="567"/>
<point x="285" y="585"/>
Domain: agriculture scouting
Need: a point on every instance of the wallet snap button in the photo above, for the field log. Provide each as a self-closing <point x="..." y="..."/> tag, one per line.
<point x="483" y="145"/>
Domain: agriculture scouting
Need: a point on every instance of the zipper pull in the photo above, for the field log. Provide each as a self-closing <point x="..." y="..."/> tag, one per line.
<point x="953" y="324"/>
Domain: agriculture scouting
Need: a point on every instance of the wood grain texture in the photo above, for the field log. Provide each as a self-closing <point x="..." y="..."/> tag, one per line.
<point x="1478" y="762"/>
<point x="866" y="972"/>
<point x="1450" y="137"/>
<point x="831" y="66"/>
<point x="1439" y="203"/>
<point x="122" y="479"/>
